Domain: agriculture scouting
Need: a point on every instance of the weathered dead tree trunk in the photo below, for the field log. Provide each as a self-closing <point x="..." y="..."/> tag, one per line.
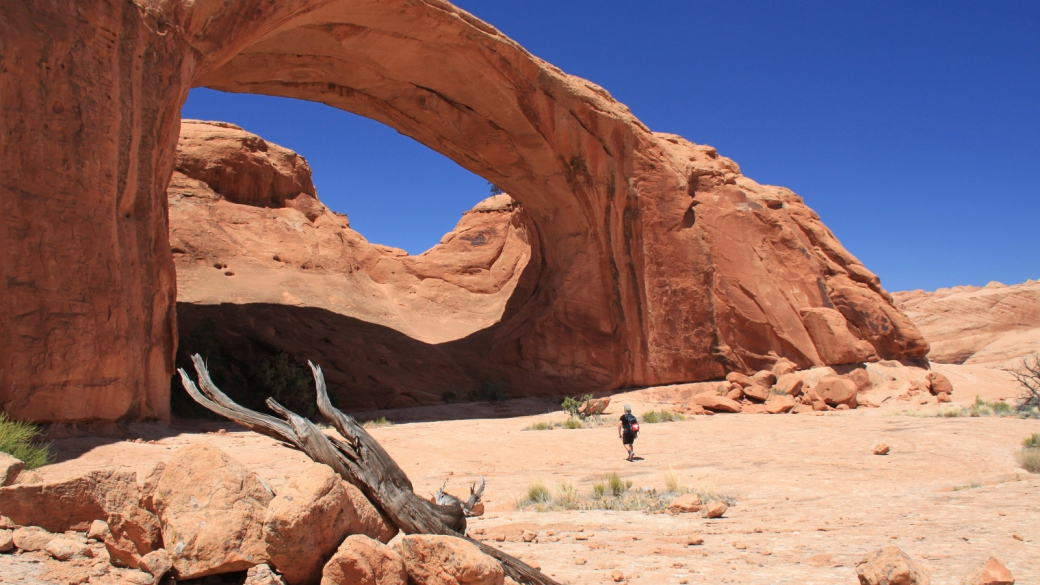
<point x="359" y="459"/>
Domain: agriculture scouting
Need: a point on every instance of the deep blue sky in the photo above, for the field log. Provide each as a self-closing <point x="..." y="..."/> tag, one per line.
<point x="912" y="128"/>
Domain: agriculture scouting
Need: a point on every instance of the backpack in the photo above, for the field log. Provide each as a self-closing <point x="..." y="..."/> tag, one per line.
<point x="632" y="423"/>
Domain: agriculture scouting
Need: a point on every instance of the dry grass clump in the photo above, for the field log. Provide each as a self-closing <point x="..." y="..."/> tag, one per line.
<point x="379" y="422"/>
<point x="612" y="492"/>
<point x="18" y="439"/>
<point x="1029" y="456"/>
<point x="663" y="415"/>
<point x="572" y="422"/>
<point x="978" y="408"/>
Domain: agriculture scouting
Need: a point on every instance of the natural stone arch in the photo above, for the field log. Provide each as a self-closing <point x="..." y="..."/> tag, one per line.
<point x="659" y="261"/>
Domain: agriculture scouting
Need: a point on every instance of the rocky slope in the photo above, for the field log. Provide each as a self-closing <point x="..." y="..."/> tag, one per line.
<point x="993" y="326"/>
<point x="659" y="262"/>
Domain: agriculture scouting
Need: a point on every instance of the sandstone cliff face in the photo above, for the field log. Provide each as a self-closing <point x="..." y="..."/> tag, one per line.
<point x="658" y="261"/>
<point x="992" y="326"/>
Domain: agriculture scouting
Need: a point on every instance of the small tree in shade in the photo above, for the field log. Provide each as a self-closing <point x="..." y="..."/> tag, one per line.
<point x="494" y="189"/>
<point x="1028" y="375"/>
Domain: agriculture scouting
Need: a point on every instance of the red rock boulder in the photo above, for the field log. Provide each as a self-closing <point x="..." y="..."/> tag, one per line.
<point x="212" y="512"/>
<point x="992" y="573"/>
<point x="890" y="566"/>
<point x="939" y="384"/>
<point x="447" y="560"/>
<point x="716" y="403"/>
<point x="834" y="390"/>
<point x="362" y="560"/>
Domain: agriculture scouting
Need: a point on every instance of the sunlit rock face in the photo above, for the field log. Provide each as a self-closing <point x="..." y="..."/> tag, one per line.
<point x="655" y="261"/>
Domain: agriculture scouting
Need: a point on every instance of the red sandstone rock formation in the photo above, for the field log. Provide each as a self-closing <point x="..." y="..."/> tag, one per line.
<point x="993" y="326"/>
<point x="659" y="261"/>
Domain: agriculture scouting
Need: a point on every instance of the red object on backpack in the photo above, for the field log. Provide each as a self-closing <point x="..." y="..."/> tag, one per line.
<point x="635" y="426"/>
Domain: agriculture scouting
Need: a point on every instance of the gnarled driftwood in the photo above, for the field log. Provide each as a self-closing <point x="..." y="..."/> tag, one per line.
<point x="359" y="459"/>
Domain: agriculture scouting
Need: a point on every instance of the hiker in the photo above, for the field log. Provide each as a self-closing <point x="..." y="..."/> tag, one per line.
<point x="627" y="429"/>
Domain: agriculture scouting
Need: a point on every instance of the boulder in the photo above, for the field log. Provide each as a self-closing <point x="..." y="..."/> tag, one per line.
<point x="263" y="575"/>
<point x="860" y="378"/>
<point x="890" y="566"/>
<point x="31" y="538"/>
<point x="992" y="573"/>
<point x="61" y="505"/>
<point x="594" y="406"/>
<point x="764" y="379"/>
<point x="790" y="384"/>
<point x="10" y="467"/>
<point x="942" y="397"/>
<point x="447" y="560"/>
<point x="98" y="530"/>
<point x="783" y="366"/>
<point x="757" y="392"/>
<point x="65" y="549"/>
<point x="7" y="523"/>
<point x="740" y="379"/>
<point x="716" y="403"/>
<point x="212" y="512"/>
<point x="6" y="540"/>
<point x="132" y="533"/>
<point x="736" y="394"/>
<point x="306" y="522"/>
<point x="939" y="384"/>
<point x="685" y="504"/>
<point x="881" y="449"/>
<point x="156" y="563"/>
<point x="779" y="403"/>
<point x="834" y="390"/>
<point x="753" y="408"/>
<point x="368" y="520"/>
<point x="714" y="509"/>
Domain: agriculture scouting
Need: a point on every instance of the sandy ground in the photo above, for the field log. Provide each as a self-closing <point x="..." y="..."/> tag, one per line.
<point x="812" y="498"/>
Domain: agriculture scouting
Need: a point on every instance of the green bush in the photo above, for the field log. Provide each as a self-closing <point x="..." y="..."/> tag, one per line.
<point x="539" y="426"/>
<point x="573" y="423"/>
<point x="1032" y="441"/>
<point x="249" y="383"/>
<point x="18" y="439"/>
<point x="651" y="417"/>
<point x="572" y="405"/>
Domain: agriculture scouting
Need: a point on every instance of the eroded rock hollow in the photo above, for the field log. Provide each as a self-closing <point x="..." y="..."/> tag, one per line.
<point x="656" y="260"/>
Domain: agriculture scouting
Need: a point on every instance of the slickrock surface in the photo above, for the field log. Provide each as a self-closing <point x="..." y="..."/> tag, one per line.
<point x="812" y="499"/>
<point x="659" y="261"/>
<point x="992" y="326"/>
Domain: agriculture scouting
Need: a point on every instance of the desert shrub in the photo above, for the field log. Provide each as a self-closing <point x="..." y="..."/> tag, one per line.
<point x="287" y="382"/>
<point x="449" y="396"/>
<point x="566" y="496"/>
<point x="983" y="408"/>
<point x="248" y="382"/>
<point x="1028" y="376"/>
<point x="1029" y="459"/>
<point x="573" y="405"/>
<point x="488" y="390"/>
<point x="617" y="485"/>
<point x="536" y="493"/>
<point x="493" y="189"/>
<point x="651" y="417"/>
<point x="1032" y="441"/>
<point x="19" y="440"/>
